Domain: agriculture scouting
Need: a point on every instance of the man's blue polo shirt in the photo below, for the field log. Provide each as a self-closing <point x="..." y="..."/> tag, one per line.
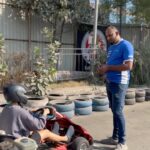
<point x="118" y="54"/>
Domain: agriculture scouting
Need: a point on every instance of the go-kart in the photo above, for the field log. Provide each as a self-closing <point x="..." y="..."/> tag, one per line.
<point x="81" y="139"/>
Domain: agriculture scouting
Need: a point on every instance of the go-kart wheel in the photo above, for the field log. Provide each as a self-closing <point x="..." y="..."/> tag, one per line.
<point x="6" y="137"/>
<point x="80" y="143"/>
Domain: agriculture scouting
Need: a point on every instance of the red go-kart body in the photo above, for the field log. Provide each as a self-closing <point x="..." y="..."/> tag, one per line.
<point x="81" y="139"/>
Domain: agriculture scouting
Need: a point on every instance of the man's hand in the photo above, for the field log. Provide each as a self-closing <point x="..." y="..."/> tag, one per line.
<point x="102" y="69"/>
<point x="46" y="111"/>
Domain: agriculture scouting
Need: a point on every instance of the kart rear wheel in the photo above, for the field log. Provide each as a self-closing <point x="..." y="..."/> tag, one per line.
<point x="80" y="143"/>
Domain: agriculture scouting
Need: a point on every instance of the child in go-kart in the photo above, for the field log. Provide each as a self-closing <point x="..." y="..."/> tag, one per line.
<point x="17" y="121"/>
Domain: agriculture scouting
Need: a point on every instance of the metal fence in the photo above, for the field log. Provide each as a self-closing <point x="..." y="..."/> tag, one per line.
<point x="79" y="63"/>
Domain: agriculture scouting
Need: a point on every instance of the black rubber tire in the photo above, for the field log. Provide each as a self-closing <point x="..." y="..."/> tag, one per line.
<point x="147" y="98"/>
<point x="79" y="143"/>
<point x="101" y="108"/>
<point x="130" y="94"/>
<point x="86" y="94"/>
<point x="50" y="97"/>
<point x="72" y="98"/>
<point x="6" y="137"/>
<point x="140" y="93"/>
<point x="36" y="102"/>
<point x="69" y="114"/>
<point x="140" y="99"/>
<point x="147" y="92"/>
<point x="130" y="101"/>
<point x="100" y="101"/>
<point x="63" y="105"/>
<point x="83" y="102"/>
<point x="83" y="111"/>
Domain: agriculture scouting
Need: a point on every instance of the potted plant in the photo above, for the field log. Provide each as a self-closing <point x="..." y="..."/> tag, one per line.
<point x="43" y="73"/>
<point x="3" y="65"/>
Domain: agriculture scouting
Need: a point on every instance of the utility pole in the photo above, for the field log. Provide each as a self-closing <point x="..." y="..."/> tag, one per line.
<point x="95" y="23"/>
<point x="120" y="17"/>
<point x="95" y="34"/>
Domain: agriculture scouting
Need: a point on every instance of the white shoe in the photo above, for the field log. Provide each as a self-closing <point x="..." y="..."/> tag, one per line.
<point x="121" y="147"/>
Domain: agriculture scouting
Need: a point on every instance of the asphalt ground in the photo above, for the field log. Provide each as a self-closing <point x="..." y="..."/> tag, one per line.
<point x="99" y="125"/>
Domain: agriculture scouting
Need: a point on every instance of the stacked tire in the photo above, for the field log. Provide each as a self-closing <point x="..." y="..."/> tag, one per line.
<point x="83" y="106"/>
<point x="35" y="102"/>
<point x="86" y="94"/>
<point x="100" y="103"/>
<point x="65" y="107"/>
<point x="140" y="95"/>
<point x="56" y="96"/>
<point x="147" y="94"/>
<point x="130" y="97"/>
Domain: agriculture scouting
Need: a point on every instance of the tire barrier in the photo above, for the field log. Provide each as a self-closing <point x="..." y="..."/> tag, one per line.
<point x="83" y="102"/>
<point x="130" y="94"/>
<point x="83" y="106"/>
<point x="130" y="97"/>
<point x="36" y="102"/>
<point x="86" y="94"/>
<point x="147" y="94"/>
<point x="56" y="96"/>
<point x="83" y="110"/>
<point x="65" y="107"/>
<point x="100" y="103"/>
<point x="70" y="114"/>
<point x="101" y="108"/>
<point x="130" y="101"/>
<point x="140" y="95"/>
<point x="72" y="97"/>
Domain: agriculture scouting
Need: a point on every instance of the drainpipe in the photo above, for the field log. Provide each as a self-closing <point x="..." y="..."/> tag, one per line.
<point x="29" y="55"/>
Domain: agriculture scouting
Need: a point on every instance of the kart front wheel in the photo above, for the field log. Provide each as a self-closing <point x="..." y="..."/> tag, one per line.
<point x="80" y="143"/>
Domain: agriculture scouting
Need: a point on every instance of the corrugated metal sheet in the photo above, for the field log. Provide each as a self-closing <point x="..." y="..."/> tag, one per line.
<point x="17" y="36"/>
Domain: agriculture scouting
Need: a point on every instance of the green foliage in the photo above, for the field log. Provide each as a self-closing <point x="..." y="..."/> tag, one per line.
<point x="69" y="10"/>
<point x="51" y="10"/>
<point x="141" y="74"/>
<point x="37" y="80"/>
<point x="52" y="53"/>
<point x="98" y="61"/>
<point x="43" y="73"/>
<point x="141" y="11"/>
<point x="3" y="65"/>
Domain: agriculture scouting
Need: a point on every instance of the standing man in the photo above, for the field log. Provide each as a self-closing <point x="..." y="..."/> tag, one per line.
<point x="117" y="71"/>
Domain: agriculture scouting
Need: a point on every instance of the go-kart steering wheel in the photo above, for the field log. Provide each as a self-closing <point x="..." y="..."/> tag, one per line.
<point x="52" y="112"/>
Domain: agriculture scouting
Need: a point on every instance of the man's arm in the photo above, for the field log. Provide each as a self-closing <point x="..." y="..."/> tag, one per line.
<point x="128" y="65"/>
<point x="32" y="122"/>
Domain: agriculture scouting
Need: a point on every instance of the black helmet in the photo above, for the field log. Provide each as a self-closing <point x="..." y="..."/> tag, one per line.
<point x="15" y="93"/>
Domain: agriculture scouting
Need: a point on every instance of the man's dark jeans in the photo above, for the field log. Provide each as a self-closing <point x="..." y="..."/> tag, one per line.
<point x="116" y="95"/>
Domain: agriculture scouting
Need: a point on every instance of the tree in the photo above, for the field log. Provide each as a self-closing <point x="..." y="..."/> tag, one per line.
<point x="54" y="11"/>
<point x="138" y="10"/>
<point x="141" y="11"/>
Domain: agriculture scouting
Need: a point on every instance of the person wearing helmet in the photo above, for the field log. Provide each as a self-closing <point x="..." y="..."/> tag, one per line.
<point x="17" y="121"/>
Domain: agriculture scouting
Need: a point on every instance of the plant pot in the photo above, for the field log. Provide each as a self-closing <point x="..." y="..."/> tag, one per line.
<point x="35" y="101"/>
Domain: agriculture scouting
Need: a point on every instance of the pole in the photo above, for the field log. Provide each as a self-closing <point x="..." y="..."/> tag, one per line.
<point x="94" y="42"/>
<point x="120" y="16"/>
<point x="95" y="24"/>
<point x="29" y="40"/>
<point x="95" y="34"/>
